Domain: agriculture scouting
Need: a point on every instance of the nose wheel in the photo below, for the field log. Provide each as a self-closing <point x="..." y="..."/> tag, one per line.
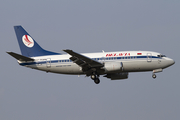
<point x="154" y="75"/>
<point x="95" y="78"/>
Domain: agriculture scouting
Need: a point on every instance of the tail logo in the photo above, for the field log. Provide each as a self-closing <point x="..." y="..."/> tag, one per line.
<point x="28" y="41"/>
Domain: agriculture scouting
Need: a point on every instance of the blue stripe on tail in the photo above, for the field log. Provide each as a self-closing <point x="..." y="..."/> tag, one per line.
<point x="28" y="46"/>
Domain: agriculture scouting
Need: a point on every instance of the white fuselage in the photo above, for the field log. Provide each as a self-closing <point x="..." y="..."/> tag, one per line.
<point x="133" y="61"/>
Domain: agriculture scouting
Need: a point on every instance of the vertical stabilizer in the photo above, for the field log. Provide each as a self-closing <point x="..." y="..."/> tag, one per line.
<point x="28" y="46"/>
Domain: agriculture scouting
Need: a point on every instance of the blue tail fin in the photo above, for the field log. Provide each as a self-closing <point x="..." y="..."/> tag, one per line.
<point x="28" y="45"/>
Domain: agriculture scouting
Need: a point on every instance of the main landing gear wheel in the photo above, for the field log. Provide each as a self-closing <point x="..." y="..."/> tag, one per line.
<point x="154" y="76"/>
<point x="95" y="78"/>
<point x="97" y="81"/>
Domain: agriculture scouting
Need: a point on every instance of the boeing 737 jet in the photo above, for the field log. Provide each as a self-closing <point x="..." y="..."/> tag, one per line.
<point x="113" y="65"/>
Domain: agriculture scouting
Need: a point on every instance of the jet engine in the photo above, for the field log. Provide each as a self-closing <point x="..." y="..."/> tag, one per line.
<point x="113" y="66"/>
<point x="117" y="76"/>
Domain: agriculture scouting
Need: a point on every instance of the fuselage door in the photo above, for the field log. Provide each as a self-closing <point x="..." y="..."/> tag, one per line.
<point x="149" y="57"/>
<point x="48" y="62"/>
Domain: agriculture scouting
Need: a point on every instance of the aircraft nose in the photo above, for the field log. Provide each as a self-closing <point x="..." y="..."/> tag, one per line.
<point x="171" y="62"/>
<point x="168" y="62"/>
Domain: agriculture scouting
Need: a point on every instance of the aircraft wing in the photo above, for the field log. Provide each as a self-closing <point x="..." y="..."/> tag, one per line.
<point x="83" y="61"/>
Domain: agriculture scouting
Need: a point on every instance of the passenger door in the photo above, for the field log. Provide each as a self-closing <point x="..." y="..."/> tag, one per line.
<point x="48" y="62"/>
<point x="149" y="57"/>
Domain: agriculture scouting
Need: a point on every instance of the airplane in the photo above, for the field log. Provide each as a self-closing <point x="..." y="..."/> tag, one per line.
<point x="113" y="65"/>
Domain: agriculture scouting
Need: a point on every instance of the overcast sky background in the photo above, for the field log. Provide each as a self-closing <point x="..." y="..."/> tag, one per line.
<point x="90" y="26"/>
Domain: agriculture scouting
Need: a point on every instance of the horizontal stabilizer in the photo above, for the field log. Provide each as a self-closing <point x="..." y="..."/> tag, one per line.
<point x="20" y="57"/>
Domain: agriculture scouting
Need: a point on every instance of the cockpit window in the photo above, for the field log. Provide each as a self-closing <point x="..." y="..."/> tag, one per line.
<point x="161" y="55"/>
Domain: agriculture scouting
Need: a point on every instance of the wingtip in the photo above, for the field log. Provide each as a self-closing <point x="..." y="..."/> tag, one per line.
<point x="8" y="52"/>
<point x="65" y="50"/>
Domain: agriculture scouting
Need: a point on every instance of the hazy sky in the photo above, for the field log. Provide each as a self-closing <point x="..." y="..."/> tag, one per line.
<point x="90" y="26"/>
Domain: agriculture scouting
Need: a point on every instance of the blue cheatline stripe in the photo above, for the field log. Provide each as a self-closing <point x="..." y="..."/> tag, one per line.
<point x="98" y="59"/>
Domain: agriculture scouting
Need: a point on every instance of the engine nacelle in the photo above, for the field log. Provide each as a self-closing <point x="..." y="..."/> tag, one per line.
<point x="112" y="66"/>
<point x="117" y="76"/>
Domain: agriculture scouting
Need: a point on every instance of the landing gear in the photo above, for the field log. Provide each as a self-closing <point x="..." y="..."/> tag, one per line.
<point x="154" y="75"/>
<point x="97" y="81"/>
<point x="95" y="78"/>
